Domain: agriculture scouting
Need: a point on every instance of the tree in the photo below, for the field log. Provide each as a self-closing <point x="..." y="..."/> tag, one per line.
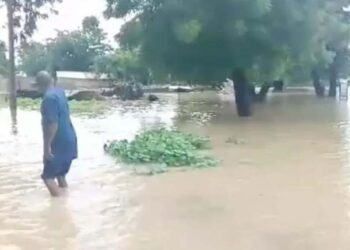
<point x="130" y="36"/>
<point x="34" y="57"/>
<point x="206" y="41"/>
<point x="95" y="35"/>
<point x="91" y="24"/>
<point x="124" y="65"/>
<point x="338" y="44"/>
<point x="75" y="51"/>
<point x="71" y="51"/>
<point x="3" y="60"/>
<point x="22" y="16"/>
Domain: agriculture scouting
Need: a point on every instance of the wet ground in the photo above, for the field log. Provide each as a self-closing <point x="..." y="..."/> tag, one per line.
<point x="282" y="184"/>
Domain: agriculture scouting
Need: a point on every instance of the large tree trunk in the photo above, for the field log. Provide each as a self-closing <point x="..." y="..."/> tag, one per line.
<point x="12" y="72"/>
<point x="333" y="75"/>
<point x="261" y="96"/>
<point x="319" y="88"/>
<point x="244" y="99"/>
<point x="278" y="86"/>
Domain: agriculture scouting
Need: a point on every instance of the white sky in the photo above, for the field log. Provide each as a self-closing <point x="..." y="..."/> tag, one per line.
<point x="71" y="14"/>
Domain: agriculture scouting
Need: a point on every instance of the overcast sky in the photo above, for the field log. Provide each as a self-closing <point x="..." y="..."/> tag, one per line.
<point x="71" y="14"/>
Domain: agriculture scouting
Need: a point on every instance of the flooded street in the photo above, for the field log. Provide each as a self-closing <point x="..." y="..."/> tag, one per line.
<point x="283" y="182"/>
<point x="99" y="211"/>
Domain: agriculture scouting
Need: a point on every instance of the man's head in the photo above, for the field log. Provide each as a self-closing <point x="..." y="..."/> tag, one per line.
<point x="43" y="81"/>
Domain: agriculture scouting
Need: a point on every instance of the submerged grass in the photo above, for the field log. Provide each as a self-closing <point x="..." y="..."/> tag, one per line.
<point x="92" y="107"/>
<point x="162" y="147"/>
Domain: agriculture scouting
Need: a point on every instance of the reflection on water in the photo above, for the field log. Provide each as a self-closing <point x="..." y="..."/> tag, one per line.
<point x="285" y="185"/>
<point x="99" y="210"/>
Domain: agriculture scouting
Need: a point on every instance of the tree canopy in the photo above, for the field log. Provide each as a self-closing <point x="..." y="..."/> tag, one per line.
<point x="123" y="65"/>
<point x="34" y="58"/>
<point x="22" y="16"/>
<point x="71" y="51"/>
<point x="26" y="13"/>
<point x="204" y="40"/>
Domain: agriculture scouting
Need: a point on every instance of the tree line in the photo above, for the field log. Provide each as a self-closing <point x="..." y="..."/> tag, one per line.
<point x="253" y="42"/>
<point x="85" y="50"/>
<point x="250" y="41"/>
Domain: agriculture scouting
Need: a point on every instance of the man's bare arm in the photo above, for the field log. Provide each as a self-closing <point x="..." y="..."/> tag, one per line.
<point x="50" y="131"/>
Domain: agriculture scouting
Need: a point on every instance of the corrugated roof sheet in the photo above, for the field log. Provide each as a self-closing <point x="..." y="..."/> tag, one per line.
<point x="80" y="75"/>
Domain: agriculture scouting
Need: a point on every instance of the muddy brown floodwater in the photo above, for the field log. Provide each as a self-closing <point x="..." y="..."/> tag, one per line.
<point x="283" y="182"/>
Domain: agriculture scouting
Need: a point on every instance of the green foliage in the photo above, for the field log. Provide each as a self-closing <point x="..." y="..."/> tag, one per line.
<point x="123" y="65"/>
<point x="34" y="58"/>
<point x="203" y="41"/>
<point x="91" y="24"/>
<point x="161" y="146"/>
<point x="188" y="32"/>
<point x="22" y="17"/>
<point x="89" y="108"/>
<point x="72" y="51"/>
<point x="69" y="51"/>
<point x="27" y="13"/>
<point x="95" y="36"/>
<point x="131" y="35"/>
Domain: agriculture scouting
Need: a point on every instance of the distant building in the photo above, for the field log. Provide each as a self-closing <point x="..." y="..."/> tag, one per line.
<point x="82" y="80"/>
<point x="81" y="75"/>
<point x="72" y="80"/>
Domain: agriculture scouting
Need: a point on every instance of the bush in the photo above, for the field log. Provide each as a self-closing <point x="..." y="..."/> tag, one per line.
<point x="161" y="146"/>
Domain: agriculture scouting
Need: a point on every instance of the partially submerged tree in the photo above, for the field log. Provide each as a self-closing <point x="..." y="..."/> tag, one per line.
<point x="22" y="16"/>
<point x="206" y="41"/>
<point x="338" y="43"/>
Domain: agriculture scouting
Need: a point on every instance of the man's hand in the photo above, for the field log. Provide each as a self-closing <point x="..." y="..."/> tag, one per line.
<point x="48" y="154"/>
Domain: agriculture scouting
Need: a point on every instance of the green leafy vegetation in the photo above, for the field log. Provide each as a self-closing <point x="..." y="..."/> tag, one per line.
<point x="204" y="41"/>
<point x="90" y="108"/>
<point x="169" y="148"/>
<point x="71" y="51"/>
<point x="251" y="42"/>
<point x="22" y="18"/>
<point x="124" y="65"/>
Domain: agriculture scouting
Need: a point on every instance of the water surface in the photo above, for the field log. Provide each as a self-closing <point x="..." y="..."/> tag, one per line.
<point x="283" y="181"/>
<point x="99" y="211"/>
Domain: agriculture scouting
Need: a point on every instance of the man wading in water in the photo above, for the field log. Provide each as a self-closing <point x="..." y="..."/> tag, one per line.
<point x="60" y="141"/>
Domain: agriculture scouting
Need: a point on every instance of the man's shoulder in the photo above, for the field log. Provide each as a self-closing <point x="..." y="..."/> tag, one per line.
<point x="54" y="93"/>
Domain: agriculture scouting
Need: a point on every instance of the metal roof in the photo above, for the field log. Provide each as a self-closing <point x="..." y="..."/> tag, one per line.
<point x="80" y="75"/>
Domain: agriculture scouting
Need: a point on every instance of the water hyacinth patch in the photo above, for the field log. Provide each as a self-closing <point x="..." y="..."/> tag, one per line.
<point x="170" y="148"/>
